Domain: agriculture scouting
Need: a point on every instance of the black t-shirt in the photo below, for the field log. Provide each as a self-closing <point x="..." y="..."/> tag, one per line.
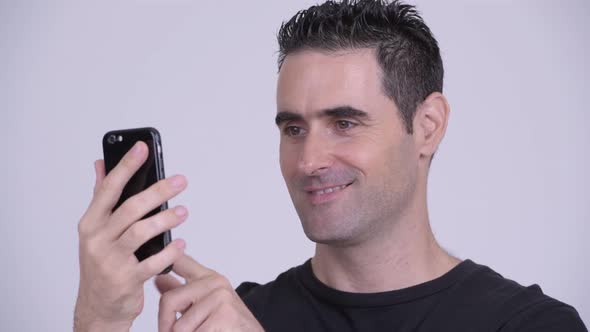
<point x="470" y="297"/>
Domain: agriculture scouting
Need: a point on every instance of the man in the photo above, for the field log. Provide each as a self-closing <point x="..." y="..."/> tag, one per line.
<point x="361" y="113"/>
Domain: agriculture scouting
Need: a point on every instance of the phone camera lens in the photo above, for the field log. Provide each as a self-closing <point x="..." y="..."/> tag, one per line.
<point x="112" y="139"/>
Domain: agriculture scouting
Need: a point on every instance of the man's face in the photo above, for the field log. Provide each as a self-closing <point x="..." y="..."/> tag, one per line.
<point x="349" y="165"/>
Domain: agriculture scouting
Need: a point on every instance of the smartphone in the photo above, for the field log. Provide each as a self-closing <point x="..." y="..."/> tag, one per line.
<point x="115" y="145"/>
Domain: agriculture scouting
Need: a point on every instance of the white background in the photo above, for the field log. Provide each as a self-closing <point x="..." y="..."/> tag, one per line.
<point x="509" y="186"/>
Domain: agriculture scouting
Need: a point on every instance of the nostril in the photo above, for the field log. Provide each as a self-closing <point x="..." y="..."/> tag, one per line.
<point x="319" y="171"/>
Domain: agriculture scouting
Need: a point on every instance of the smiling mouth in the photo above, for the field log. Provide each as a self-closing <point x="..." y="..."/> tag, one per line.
<point x="329" y="190"/>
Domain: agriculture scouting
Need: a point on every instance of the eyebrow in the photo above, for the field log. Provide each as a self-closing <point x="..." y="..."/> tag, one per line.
<point x="335" y="112"/>
<point x="286" y="116"/>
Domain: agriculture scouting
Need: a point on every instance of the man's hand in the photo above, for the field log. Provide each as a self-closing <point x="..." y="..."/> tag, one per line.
<point x="207" y="301"/>
<point x="110" y="296"/>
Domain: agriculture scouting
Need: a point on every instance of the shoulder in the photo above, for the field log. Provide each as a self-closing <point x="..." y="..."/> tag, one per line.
<point x="510" y="306"/>
<point x="259" y="297"/>
<point x="249" y="289"/>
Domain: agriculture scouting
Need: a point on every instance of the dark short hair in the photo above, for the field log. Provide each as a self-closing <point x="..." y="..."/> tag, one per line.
<point x="407" y="52"/>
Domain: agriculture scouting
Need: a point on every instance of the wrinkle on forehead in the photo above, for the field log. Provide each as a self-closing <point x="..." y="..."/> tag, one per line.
<point x="312" y="80"/>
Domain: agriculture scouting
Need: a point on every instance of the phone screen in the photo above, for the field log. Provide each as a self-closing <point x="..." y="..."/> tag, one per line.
<point x="115" y="145"/>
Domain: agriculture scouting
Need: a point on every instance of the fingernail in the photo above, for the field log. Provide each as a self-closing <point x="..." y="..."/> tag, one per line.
<point x="180" y="243"/>
<point x="177" y="181"/>
<point x="180" y="211"/>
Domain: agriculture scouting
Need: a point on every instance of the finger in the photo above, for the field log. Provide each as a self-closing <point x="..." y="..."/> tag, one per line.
<point x="190" y="269"/>
<point x="199" y="312"/>
<point x="87" y="224"/>
<point x="137" y="206"/>
<point x="171" y="302"/>
<point x="155" y="264"/>
<point x="144" y="230"/>
<point x="111" y="186"/>
<point x="99" y="173"/>
<point x="181" y="298"/>
<point x="166" y="282"/>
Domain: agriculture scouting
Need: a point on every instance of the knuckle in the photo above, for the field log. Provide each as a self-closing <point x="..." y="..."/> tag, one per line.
<point x="145" y="229"/>
<point x="166" y="301"/>
<point x="151" y="267"/>
<point x="162" y="188"/>
<point x="223" y="294"/>
<point x="108" y="183"/>
<point x="224" y="281"/>
<point x="220" y="281"/>
<point x="157" y="222"/>
<point x="133" y="207"/>
<point x="137" y="231"/>
<point x="163" y="221"/>
<point x="109" y="189"/>
<point x="83" y="227"/>
<point x="173" y="252"/>
<point x="154" y="226"/>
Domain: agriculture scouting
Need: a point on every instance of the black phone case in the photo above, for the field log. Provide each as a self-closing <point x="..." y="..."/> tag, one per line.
<point x="115" y="145"/>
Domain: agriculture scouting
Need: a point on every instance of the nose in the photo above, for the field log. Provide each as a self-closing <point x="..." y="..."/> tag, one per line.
<point x="315" y="156"/>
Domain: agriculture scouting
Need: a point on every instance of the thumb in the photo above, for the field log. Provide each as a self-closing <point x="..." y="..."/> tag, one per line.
<point x="166" y="282"/>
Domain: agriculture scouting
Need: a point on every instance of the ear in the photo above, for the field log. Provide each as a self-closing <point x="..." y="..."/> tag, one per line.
<point x="430" y="124"/>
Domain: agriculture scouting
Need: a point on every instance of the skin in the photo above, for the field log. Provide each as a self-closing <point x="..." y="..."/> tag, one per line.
<point x="206" y="300"/>
<point x="338" y="129"/>
<point x="374" y="234"/>
<point x="111" y="295"/>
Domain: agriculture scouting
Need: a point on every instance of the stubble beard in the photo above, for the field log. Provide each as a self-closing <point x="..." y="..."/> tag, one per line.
<point x="363" y="214"/>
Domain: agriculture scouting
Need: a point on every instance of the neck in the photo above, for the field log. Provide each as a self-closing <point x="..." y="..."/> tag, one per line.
<point x="404" y="255"/>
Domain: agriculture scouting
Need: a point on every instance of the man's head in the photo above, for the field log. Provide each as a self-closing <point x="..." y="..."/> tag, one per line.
<point x="407" y="53"/>
<point x="360" y="113"/>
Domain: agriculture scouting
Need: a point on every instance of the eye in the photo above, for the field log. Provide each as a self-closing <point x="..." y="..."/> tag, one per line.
<point x="293" y="131"/>
<point x="344" y="124"/>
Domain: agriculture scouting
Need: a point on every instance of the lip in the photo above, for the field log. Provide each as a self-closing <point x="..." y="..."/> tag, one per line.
<point x="319" y="195"/>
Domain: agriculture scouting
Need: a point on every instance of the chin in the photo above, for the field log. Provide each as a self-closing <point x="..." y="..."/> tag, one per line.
<point x="328" y="233"/>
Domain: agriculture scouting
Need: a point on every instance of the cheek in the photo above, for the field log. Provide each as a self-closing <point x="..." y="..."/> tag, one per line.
<point x="364" y="154"/>
<point x="287" y="160"/>
<point x="375" y="158"/>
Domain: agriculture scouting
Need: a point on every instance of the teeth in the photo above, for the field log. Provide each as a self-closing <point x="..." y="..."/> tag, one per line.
<point x="329" y="190"/>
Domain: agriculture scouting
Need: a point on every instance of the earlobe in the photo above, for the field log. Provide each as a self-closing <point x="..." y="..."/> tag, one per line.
<point x="430" y="123"/>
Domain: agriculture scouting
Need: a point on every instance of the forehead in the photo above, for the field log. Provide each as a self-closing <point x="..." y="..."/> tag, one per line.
<point x="312" y="80"/>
